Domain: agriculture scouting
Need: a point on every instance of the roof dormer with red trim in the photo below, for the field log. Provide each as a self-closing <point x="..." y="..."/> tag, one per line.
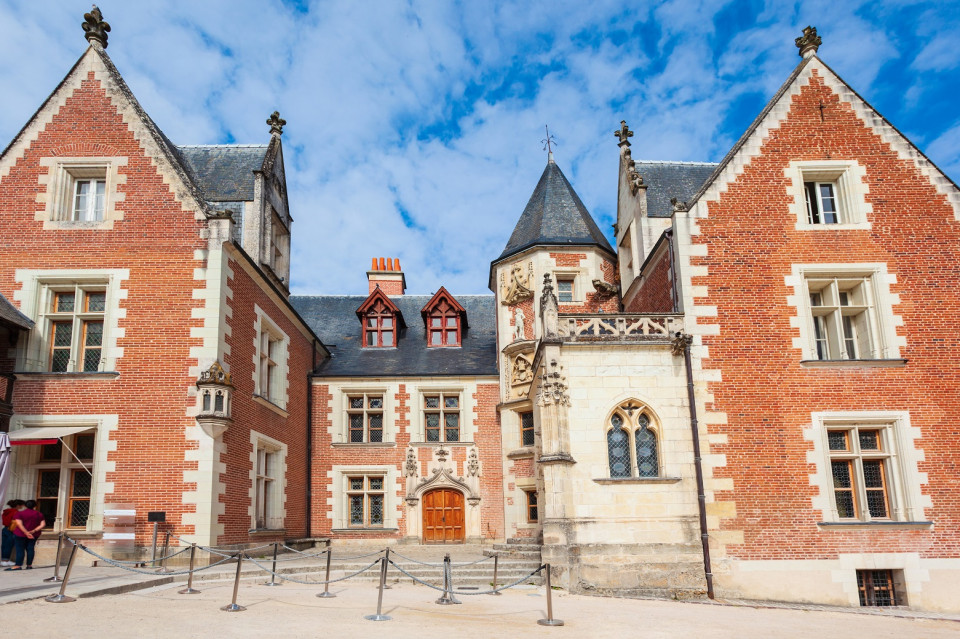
<point x="380" y="319"/>
<point x="445" y="319"/>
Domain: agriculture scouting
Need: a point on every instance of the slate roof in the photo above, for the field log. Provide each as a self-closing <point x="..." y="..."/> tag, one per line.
<point x="334" y="319"/>
<point x="554" y="215"/>
<point x="9" y="314"/>
<point x="666" y="180"/>
<point x="224" y="172"/>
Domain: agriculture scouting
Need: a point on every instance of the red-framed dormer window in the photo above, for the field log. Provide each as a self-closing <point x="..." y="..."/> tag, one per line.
<point x="380" y="319"/>
<point x="380" y="326"/>
<point x="445" y="320"/>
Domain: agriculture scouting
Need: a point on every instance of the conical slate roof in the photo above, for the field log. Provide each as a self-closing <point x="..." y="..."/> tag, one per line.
<point x="554" y="216"/>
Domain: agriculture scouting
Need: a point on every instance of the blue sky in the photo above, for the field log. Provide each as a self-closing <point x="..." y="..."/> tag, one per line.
<point x="414" y="128"/>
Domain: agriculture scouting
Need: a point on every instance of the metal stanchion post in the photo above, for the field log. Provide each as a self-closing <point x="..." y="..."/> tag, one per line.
<point x="61" y="597"/>
<point x="496" y="562"/>
<point x="56" y="563"/>
<point x="383" y="580"/>
<point x="163" y="557"/>
<point x="232" y="606"/>
<point x="387" y="586"/>
<point x="153" y="546"/>
<point x="549" y="621"/>
<point x="326" y="594"/>
<point x="190" y="590"/>
<point x="447" y="598"/>
<point x="273" y="572"/>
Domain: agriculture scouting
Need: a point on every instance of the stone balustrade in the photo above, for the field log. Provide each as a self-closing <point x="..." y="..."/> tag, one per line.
<point x="620" y="327"/>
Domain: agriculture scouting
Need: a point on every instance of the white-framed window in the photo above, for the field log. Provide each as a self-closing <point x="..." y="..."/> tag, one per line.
<point x="845" y="312"/>
<point x="365" y="413"/>
<point x="442" y="419"/>
<point x="566" y="289"/>
<point x="828" y="194"/>
<point x="365" y="500"/>
<point x="270" y="360"/>
<point x="82" y="190"/>
<point x="73" y="325"/>
<point x="867" y="468"/>
<point x="268" y="479"/>
<point x="632" y="447"/>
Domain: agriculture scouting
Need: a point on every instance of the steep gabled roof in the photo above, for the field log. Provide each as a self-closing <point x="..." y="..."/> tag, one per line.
<point x="554" y="216"/>
<point x="224" y="172"/>
<point x="332" y="317"/>
<point x="444" y="295"/>
<point x="666" y="180"/>
<point x="779" y="106"/>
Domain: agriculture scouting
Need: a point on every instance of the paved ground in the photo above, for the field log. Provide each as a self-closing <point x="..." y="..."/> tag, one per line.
<point x="293" y="610"/>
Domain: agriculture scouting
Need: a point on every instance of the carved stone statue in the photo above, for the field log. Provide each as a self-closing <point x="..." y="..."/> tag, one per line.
<point x="518" y="319"/>
<point x="518" y="286"/>
<point x="549" y="310"/>
<point x="553" y="386"/>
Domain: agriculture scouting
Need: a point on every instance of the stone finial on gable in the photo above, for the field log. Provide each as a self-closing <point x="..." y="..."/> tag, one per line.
<point x="809" y="42"/>
<point x="276" y="123"/>
<point x="623" y="134"/>
<point x="95" y="27"/>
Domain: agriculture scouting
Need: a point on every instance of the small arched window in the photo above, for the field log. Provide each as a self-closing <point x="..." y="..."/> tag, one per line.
<point x="632" y="443"/>
<point x="444" y="325"/>
<point x="379" y="326"/>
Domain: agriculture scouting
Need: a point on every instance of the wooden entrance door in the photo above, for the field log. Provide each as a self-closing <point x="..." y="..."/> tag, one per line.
<point x="443" y="517"/>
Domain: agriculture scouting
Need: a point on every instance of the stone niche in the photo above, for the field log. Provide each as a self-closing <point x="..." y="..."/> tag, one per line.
<point x="518" y="369"/>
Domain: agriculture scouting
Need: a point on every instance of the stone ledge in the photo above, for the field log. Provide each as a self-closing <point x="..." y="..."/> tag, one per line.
<point x="70" y="375"/>
<point x="263" y="401"/>
<point x="875" y="525"/>
<point x="852" y="363"/>
<point x="521" y="453"/>
<point x="363" y="445"/>
<point x="638" y="480"/>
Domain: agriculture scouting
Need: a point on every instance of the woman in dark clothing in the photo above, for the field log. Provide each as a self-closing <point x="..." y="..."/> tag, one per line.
<point x="28" y="523"/>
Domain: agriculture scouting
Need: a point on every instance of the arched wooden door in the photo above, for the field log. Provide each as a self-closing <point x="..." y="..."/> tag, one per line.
<point x="443" y="516"/>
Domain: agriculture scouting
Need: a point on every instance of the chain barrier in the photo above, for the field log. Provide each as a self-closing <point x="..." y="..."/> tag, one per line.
<point x="152" y="573"/>
<point x="469" y="592"/>
<point x="287" y="577"/>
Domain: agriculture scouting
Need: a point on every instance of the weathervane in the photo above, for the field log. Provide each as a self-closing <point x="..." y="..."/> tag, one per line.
<point x="548" y="142"/>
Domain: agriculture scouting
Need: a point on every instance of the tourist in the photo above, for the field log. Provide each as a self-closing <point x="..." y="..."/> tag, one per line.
<point x="13" y="507"/>
<point x="28" y="523"/>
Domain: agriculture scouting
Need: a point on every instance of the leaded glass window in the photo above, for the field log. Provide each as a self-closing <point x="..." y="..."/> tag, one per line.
<point x="859" y="466"/>
<point x="75" y="329"/>
<point x="618" y="448"/>
<point x="365" y="500"/>
<point x="646" y="443"/>
<point x="365" y="418"/>
<point x="632" y="444"/>
<point x="441" y="417"/>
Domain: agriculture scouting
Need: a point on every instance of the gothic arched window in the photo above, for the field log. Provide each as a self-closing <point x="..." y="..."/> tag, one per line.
<point x="632" y="443"/>
<point x="379" y="326"/>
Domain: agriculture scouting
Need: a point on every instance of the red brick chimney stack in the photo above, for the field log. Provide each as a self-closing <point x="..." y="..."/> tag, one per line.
<point x="385" y="272"/>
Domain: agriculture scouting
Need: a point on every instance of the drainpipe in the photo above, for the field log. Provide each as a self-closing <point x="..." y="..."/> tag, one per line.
<point x="681" y="344"/>
<point x="309" y="447"/>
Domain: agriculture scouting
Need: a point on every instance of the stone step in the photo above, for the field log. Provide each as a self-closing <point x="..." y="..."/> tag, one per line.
<point x="515" y="547"/>
<point x="524" y="555"/>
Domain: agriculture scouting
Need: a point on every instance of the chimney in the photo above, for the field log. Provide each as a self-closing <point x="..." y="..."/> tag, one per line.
<point x="385" y="272"/>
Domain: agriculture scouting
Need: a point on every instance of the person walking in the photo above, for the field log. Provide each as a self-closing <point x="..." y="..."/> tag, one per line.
<point x="13" y="507"/>
<point x="29" y="523"/>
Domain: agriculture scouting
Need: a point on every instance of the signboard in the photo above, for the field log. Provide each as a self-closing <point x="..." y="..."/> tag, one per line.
<point x="156" y="515"/>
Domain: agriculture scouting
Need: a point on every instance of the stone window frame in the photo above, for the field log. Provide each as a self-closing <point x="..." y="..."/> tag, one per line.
<point x="631" y="424"/>
<point x="886" y="341"/>
<point x="462" y="409"/>
<point x="573" y="276"/>
<point x="531" y="505"/>
<point x="850" y="191"/>
<point x="365" y="411"/>
<point x="906" y="501"/>
<point x="35" y="299"/>
<point x="62" y="174"/>
<point x="339" y="512"/>
<point x="278" y="389"/>
<point x="276" y="503"/>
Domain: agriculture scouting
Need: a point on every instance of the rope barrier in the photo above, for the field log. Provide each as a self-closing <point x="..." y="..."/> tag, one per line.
<point x="287" y="577"/>
<point x="152" y="573"/>
<point x="440" y="565"/>
<point x="468" y="592"/>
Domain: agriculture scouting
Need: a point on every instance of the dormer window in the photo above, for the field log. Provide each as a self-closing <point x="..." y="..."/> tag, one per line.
<point x="381" y="320"/>
<point x="380" y="326"/>
<point x="444" y="318"/>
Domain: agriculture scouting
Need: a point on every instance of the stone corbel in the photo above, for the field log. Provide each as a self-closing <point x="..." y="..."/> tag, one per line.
<point x="214" y="428"/>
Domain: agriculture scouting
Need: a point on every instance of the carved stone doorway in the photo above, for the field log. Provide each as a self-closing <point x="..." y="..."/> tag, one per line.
<point x="443" y="517"/>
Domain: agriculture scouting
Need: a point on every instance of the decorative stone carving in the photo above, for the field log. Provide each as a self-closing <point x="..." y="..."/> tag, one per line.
<point x="636" y="180"/>
<point x="549" y="310"/>
<point x="441" y="454"/>
<point x="522" y="371"/>
<point x="95" y="27"/>
<point x="276" y="123"/>
<point x="809" y="42"/>
<point x="519" y="284"/>
<point x="473" y="463"/>
<point x="519" y="332"/>
<point x="215" y="375"/>
<point x="411" y="468"/>
<point x="680" y="343"/>
<point x="630" y="407"/>
<point x="553" y="386"/>
<point x="678" y="206"/>
<point x="604" y="288"/>
<point x="623" y="134"/>
<point x="214" y="395"/>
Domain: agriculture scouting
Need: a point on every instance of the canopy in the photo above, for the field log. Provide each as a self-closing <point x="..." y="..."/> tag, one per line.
<point x="44" y="434"/>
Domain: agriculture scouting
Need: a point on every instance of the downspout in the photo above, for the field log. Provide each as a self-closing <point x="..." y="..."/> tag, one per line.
<point x="681" y="344"/>
<point x="309" y="447"/>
